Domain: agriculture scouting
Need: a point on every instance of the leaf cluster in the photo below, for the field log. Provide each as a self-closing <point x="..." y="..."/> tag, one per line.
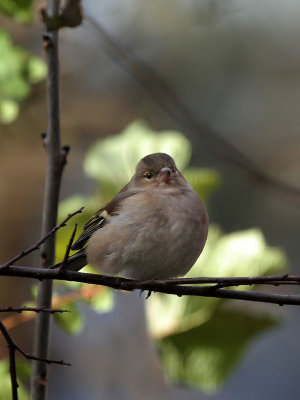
<point x="19" y="69"/>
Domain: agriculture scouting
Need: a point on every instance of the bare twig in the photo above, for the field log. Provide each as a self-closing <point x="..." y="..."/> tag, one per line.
<point x="38" y="244"/>
<point x="85" y="292"/>
<point x="63" y="264"/>
<point x="32" y="309"/>
<point x="169" y="287"/>
<point x="12" y="362"/>
<point x="12" y="348"/>
<point x="10" y="342"/>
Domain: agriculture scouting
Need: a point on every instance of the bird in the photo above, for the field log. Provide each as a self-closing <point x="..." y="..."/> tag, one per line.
<point x="154" y="228"/>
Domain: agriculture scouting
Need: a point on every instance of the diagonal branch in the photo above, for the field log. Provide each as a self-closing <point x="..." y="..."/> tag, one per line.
<point x="11" y="343"/>
<point x="37" y="245"/>
<point x="64" y="262"/>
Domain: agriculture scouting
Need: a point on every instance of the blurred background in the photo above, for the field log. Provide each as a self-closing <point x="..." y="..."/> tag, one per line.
<point x="211" y="70"/>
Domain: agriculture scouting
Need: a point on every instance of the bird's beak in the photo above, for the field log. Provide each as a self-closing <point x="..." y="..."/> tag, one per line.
<point x="164" y="175"/>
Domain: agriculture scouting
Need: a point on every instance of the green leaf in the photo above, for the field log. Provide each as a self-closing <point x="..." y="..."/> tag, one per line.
<point x="18" y="69"/>
<point x="243" y="253"/>
<point x="23" y="368"/>
<point x="237" y="254"/>
<point x="20" y="10"/>
<point x="5" y="386"/>
<point x="112" y="161"/>
<point x="9" y="111"/>
<point x="204" y="355"/>
<point x="102" y="302"/>
<point x="37" y="69"/>
<point x="66" y="207"/>
<point x="203" y="180"/>
<point x="71" y="322"/>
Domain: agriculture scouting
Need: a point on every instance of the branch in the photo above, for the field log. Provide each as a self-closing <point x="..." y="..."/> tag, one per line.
<point x="12" y="362"/>
<point x="56" y="160"/>
<point x="274" y="280"/>
<point x="33" y="309"/>
<point x="37" y="245"/>
<point x="12" y="348"/>
<point x="70" y="16"/>
<point x="172" y="286"/>
<point x="85" y="292"/>
<point x="64" y="262"/>
<point x="10" y="342"/>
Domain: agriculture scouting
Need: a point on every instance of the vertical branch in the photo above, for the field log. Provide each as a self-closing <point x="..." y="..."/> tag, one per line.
<point x="54" y="166"/>
<point x="12" y="362"/>
<point x="13" y="372"/>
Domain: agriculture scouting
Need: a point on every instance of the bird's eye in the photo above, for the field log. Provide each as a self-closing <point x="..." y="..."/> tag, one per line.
<point x="149" y="175"/>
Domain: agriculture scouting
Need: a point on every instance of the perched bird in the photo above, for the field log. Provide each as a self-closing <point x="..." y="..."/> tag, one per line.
<point x="154" y="228"/>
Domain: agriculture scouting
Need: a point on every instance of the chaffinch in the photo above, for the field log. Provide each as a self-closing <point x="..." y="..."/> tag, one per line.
<point x="154" y="228"/>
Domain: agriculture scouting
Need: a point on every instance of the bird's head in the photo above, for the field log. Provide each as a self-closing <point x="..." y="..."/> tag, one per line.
<point x="157" y="170"/>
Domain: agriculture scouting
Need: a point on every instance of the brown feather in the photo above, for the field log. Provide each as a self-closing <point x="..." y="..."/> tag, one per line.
<point x="98" y="220"/>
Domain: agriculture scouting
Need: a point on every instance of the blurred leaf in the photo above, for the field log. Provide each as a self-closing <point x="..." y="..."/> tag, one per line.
<point x="17" y="70"/>
<point x="204" y="355"/>
<point x="112" y="161"/>
<point x="203" y="180"/>
<point x="37" y="69"/>
<point x="171" y="314"/>
<point x="9" y="111"/>
<point x="5" y="387"/>
<point x="71" y="322"/>
<point x="66" y="207"/>
<point x="102" y="302"/>
<point x="236" y="254"/>
<point x="243" y="253"/>
<point x="23" y="368"/>
<point x="72" y="204"/>
<point x="20" y="10"/>
<point x="33" y="293"/>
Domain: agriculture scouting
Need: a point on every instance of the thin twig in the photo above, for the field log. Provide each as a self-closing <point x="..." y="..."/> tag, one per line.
<point x="12" y="362"/>
<point x="10" y="342"/>
<point x="37" y="245"/>
<point x="32" y="309"/>
<point x="12" y="348"/>
<point x="85" y="293"/>
<point x="63" y="264"/>
<point x="168" y="286"/>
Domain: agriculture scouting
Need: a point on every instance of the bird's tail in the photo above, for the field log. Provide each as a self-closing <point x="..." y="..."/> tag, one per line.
<point x="74" y="262"/>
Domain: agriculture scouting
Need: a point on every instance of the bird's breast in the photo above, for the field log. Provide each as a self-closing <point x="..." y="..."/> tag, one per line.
<point x="156" y="235"/>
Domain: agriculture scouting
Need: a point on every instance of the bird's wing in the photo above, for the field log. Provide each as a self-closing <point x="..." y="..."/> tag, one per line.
<point x="98" y="220"/>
